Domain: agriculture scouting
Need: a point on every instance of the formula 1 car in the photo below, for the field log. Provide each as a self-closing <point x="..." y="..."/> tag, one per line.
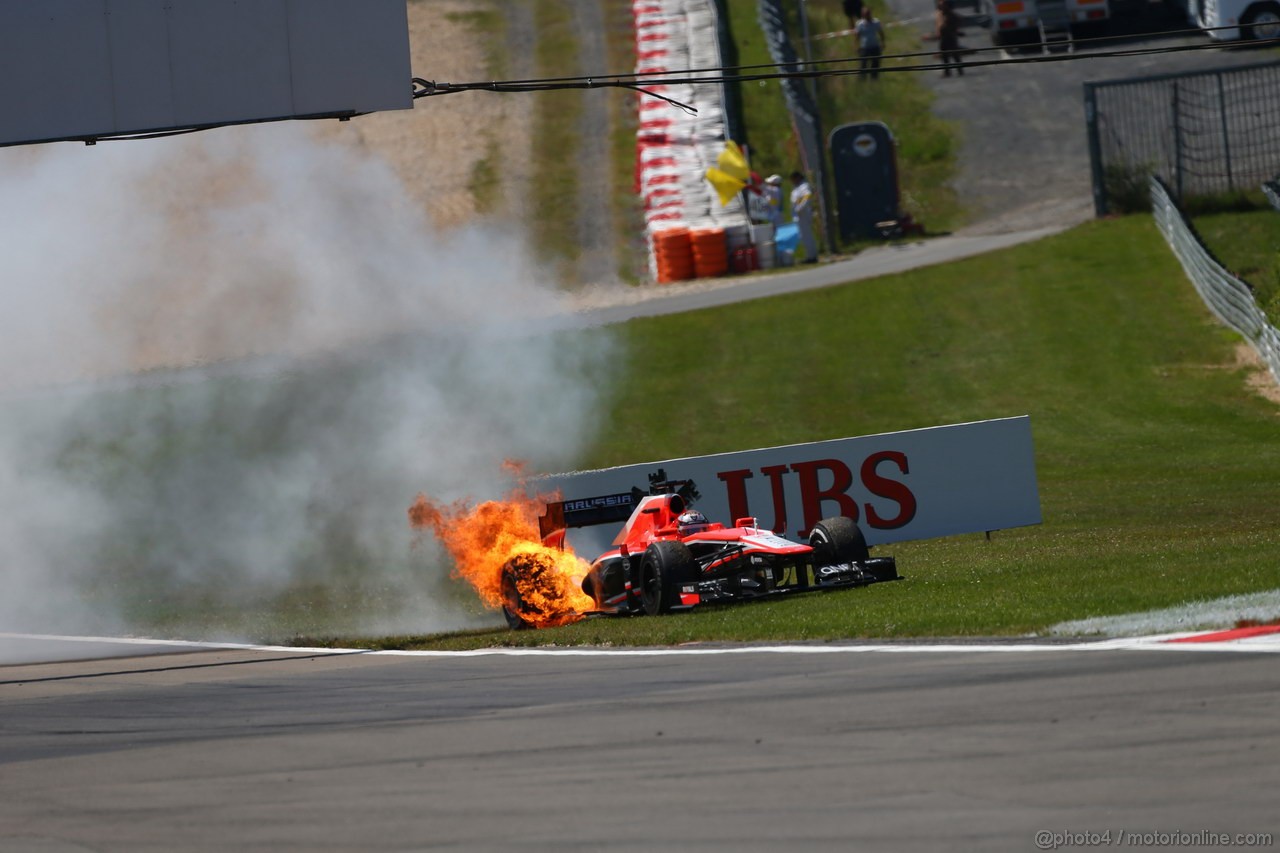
<point x="669" y="557"/>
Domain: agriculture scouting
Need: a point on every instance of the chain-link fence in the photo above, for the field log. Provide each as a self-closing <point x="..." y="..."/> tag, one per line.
<point x="1201" y="132"/>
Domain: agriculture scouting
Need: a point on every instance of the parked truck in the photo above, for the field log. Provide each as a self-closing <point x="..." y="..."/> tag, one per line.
<point x="1047" y="22"/>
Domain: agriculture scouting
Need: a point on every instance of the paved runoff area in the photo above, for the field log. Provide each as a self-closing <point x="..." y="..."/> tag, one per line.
<point x="1019" y="744"/>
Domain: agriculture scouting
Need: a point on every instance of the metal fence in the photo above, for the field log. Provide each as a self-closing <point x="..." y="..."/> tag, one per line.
<point x="1271" y="189"/>
<point x="1202" y="132"/>
<point x="1229" y="298"/>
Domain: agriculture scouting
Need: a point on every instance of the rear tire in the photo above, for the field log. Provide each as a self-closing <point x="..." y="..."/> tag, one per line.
<point x="1261" y="21"/>
<point x="838" y="540"/>
<point x="664" y="567"/>
<point x="512" y="605"/>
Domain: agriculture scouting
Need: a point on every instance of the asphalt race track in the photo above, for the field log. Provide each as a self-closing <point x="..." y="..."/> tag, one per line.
<point x="910" y="749"/>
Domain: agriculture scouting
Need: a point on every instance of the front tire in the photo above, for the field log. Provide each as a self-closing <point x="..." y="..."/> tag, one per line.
<point x="1261" y="21"/>
<point x="664" y="567"/>
<point x="838" y="540"/>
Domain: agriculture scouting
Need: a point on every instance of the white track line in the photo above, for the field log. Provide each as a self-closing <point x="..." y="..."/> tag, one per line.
<point x="1160" y="642"/>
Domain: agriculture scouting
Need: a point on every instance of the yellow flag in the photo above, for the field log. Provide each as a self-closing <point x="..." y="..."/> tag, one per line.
<point x="730" y="174"/>
<point x="733" y="163"/>
<point x="727" y="186"/>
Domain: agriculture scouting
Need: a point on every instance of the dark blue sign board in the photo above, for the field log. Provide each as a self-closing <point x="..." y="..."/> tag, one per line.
<point x="865" y="170"/>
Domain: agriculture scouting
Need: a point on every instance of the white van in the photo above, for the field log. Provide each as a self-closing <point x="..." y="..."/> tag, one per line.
<point x="1229" y="20"/>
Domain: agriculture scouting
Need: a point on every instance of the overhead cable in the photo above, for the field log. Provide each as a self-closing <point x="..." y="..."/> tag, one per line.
<point x="645" y="81"/>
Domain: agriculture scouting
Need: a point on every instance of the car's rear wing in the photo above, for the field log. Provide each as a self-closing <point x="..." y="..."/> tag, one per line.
<point x="588" y="512"/>
<point x="611" y="509"/>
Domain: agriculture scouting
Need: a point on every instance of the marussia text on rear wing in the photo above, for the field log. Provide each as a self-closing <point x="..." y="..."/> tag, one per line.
<point x="610" y="509"/>
<point x="588" y="512"/>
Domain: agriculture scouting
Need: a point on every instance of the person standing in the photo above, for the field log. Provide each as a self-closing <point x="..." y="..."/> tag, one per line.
<point x="773" y="199"/>
<point x="870" y="35"/>
<point x="802" y="215"/>
<point x="947" y="31"/>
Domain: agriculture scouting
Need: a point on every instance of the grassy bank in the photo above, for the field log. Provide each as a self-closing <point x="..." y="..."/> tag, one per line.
<point x="485" y="181"/>
<point x="555" y="139"/>
<point x="628" y="211"/>
<point x="1156" y="464"/>
<point x="1248" y="244"/>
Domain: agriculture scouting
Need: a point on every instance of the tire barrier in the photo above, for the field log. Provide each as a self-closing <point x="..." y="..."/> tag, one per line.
<point x="673" y="148"/>
<point x="1229" y="298"/>
<point x="710" y="252"/>
<point x="673" y="255"/>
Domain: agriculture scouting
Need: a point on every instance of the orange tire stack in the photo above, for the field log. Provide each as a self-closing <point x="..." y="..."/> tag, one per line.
<point x="710" y="255"/>
<point x="674" y="253"/>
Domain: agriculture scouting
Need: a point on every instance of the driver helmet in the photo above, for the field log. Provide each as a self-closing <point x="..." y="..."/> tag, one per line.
<point x="692" y="521"/>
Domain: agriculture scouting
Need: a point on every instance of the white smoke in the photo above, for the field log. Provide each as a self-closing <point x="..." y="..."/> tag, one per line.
<point x="228" y="362"/>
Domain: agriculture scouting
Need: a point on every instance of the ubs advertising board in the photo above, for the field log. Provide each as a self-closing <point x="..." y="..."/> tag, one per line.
<point x="898" y="486"/>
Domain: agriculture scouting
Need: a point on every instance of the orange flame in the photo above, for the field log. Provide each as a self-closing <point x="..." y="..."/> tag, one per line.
<point x="483" y="539"/>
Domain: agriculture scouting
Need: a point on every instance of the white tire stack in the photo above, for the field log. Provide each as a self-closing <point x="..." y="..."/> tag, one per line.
<point x="673" y="148"/>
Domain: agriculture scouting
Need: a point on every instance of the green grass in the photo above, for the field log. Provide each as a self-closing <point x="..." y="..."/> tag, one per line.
<point x="555" y="140"/>
<point x="628" y="211"/>
<point x="485" y="181"/>
<point x="491" y="24"/>
<point x="1248" y="244"/>
<point x="1156" y="465"/>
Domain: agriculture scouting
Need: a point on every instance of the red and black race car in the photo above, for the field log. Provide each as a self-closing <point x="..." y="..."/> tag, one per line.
<point x="669" y="557"/>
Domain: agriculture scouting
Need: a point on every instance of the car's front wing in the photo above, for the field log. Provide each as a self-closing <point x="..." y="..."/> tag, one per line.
<point x="785" y="578"/>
